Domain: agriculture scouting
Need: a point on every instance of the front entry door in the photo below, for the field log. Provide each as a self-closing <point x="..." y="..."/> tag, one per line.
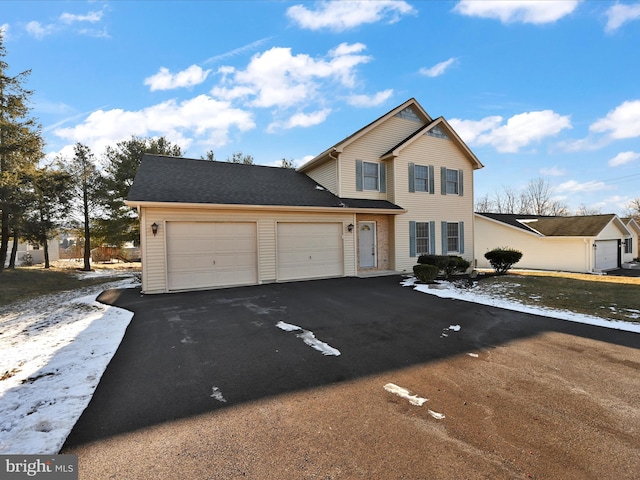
<point x="367" y="244"/>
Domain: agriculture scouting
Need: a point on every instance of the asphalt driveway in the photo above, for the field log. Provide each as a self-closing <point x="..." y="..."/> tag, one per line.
<point x="203" y="353"/>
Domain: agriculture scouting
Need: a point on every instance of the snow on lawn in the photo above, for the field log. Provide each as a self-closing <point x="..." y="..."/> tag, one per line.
<point x="493" y="297"/>
<point x="55" y="349"/>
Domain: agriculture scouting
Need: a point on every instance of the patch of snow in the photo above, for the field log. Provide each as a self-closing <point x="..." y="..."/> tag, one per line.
<point x="404" y="393"/>
<point x="454" y="328"/>
<point x="492" y="298"/>
<point x="436" y="415"/>
<point x="309" y="338"/>
<point x="54" y="351"/>
<point x="474" y="355"/>
<point x="319" y="187"/>
<point x="217" y="394"/>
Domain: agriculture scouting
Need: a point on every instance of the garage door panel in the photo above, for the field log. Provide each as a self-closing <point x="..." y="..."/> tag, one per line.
<point x="310" y="250"/>
<point x="607" y="254"/>
<point x="210" y="254"/>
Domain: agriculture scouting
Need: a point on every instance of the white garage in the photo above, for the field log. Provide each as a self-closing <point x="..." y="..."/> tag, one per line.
<point x="211" y="254"/>
<point x="309" y="250"/>
<point x="607" y="254"/>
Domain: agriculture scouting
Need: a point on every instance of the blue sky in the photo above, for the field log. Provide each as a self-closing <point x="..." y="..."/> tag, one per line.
<point x="535" y="88"/>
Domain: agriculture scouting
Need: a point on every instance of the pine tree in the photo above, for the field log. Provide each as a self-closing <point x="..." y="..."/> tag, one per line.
<point x="20" y="147"/>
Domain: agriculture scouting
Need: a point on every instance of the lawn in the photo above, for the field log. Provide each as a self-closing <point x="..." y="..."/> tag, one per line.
<point x="616" y="298"/>
<point x="25" y="283"/>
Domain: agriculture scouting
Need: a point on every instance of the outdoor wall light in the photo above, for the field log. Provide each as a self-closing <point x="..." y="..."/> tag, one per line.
<point x="350" y="227"/>
<point x="154" y="228"/>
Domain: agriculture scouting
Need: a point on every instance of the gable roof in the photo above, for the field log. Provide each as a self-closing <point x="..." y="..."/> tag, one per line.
<point x="441" y="122"/>
<point x="631" y="222"/>
<point x="339" y="147"/>
<point x="554" y="226"/>
<point x="163" y="179"/>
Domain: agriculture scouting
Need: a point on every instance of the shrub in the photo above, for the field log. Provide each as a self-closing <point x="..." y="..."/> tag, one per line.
<point x="502" y="259"/>
<point x="447" y="264"/>
<point x="425" y="273"/>
<point x="456" y="265"/>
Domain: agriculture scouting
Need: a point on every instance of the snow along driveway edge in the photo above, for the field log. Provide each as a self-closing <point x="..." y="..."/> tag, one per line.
<point x="53" y="356"/>
<point x="449" y="290"/>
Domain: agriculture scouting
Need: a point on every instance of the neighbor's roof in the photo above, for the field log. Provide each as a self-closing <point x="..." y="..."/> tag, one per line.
<point x="187" y="181"/>
<point x="553" y="226"/>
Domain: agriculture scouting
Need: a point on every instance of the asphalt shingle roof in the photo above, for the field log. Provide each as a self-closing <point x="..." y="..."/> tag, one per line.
<point x="181" y="180"/>
<point x="552" y="226"/>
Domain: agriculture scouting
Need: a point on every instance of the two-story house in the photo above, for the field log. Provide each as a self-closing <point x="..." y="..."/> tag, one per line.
<point x="397" y="188"/>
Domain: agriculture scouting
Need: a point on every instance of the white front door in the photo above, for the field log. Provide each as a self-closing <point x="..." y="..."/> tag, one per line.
<point x="367" y="244"/>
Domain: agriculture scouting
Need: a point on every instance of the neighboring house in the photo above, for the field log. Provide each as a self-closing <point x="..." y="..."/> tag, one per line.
<point x="591" y="243"/>
<point x="632" y="245"/>
<point x="35" y="251"/>
<point x="397" y="188"/>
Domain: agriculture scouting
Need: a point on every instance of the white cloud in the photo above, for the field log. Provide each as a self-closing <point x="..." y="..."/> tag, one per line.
<point x="344" y="15"/>
<point x="201" y="119"/>
<point x="470" y="130"/>
<point x="622" y="158"/>
<point x="619" y="14"/>
<point x="39" y="31"/>
<point x="621" y="122"/>
<point x="520" y="130"/>
<point x="553" y="171"/>
<point x="4" y="30"/>
<point x="518" y="11"/>
<point x="276" y="78"/>
<point x="439" y="68"/>
<point x="165" y="80"/>
<point x="370" y="100"/>
<point x="303" y="120"/>
<point x="91" y="17"/>
<point x="573" y="186"/>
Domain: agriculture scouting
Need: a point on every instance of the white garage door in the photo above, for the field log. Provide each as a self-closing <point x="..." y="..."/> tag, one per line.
<point x="607" y="254"/>
<point x="310" y="250"/>
<point x="210" y="254"/>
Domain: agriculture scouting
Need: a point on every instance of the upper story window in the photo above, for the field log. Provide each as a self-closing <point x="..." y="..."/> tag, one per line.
<point x="370" y="176"/>
<point x="420" y="178"/>
<point x="451" y="181"/>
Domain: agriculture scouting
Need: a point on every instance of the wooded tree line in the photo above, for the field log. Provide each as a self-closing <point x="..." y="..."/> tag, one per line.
<point x="537" y="198"/>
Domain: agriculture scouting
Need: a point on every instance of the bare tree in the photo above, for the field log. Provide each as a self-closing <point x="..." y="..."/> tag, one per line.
<point x="583" y="210"/>
<point x="633" y="209"/>
<point x="535" y="199"/>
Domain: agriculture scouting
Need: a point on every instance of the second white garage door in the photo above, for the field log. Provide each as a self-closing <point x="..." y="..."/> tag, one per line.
<point x="607" y="254"/>
<point x="211" y="254"/>
<point x="310" y="250"/>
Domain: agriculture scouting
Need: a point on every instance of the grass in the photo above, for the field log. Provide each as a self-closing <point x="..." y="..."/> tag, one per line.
<point x="25" y="283"/>
<point x="616" y="298"/>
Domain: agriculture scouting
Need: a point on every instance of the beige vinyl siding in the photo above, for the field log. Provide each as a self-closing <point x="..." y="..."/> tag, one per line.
<point x="326" y="175"/>
<point x="370" y="148"/>
<point x="571" y="254"/>
<point x="611" y="232"/>
<point x="425" y="207"/>
<point x="154" y="251"/>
